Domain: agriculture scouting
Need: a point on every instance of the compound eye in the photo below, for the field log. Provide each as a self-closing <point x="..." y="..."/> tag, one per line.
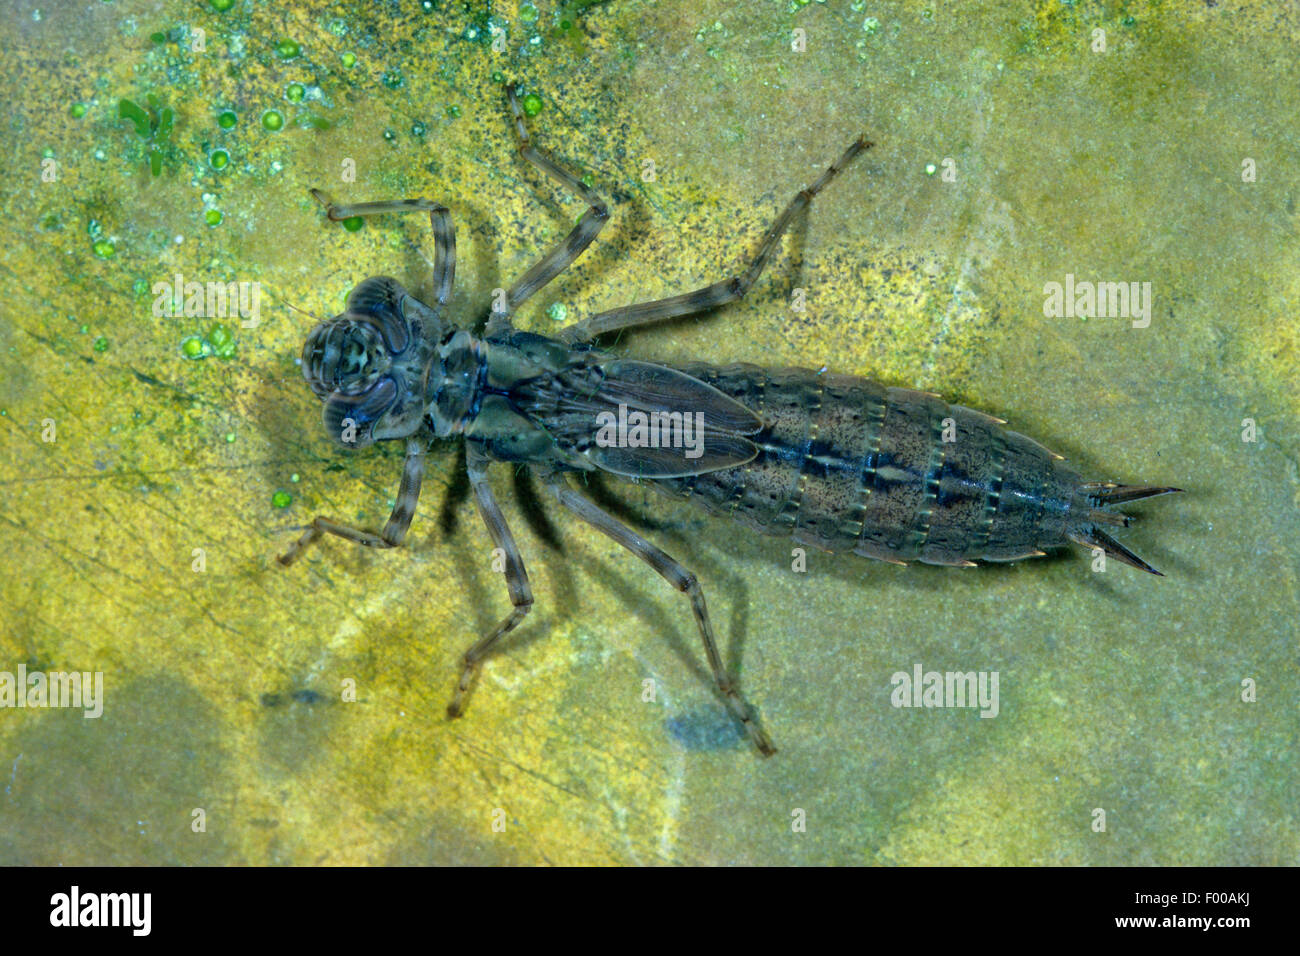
<point x="380" y="299"/>
<point x="350" y="418"/>
<point x="343" y="355"/>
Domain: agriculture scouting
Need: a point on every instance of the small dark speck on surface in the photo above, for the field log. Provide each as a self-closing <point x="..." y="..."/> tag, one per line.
<point x="705" y="730"/>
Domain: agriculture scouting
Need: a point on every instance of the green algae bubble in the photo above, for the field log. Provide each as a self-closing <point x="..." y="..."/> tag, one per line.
<point x="227" y="119"/>
<point x="349" y="60"/>
<point x="498" y="77"/>
<point x="221" y="6"/>
<point x="294" y="93"/>
<point x="230" y="436"/>
<point x="77" y="110"/>
<point x="222" y="341"/>
<point x="104" y="249"/>
<point x="532" y="104"/>
<point x="192" y="348"/>
<point x="558" y="312"/>
<point x="272" y="120"/>
<point x="282" y="499"/>
<point x="219" y="159"/>
<point x="527" y="12"/>
<point x="101" y="344"/>
<point x="353" y="223"/>
<point x="418" y="129"/>
<point x="288" y="49"/>
<point x="453" y="111"/>
<point x="213" y="217"/>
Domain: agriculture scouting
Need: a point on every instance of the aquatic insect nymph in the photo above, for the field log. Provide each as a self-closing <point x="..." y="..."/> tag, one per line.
<point x="833" y="461"/>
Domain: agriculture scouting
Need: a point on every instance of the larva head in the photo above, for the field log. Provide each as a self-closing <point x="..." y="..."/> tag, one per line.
<point x="368" y="365"/>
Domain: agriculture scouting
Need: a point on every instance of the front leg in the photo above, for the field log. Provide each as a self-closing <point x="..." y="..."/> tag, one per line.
<point x="408" y="496"/>
<point x="444" y="232"/>
<point x="521" y="595"/>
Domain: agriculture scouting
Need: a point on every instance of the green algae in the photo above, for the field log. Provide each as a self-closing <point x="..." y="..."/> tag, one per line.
<point x="222" y="341"/>
<point x="153" y="125"/>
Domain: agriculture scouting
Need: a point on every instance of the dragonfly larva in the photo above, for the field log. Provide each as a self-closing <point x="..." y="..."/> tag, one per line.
<point x="834" y="461"/>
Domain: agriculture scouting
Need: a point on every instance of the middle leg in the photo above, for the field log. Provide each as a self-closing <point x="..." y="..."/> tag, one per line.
<point x="572" y="246"/>
<point x="521" y="594"/>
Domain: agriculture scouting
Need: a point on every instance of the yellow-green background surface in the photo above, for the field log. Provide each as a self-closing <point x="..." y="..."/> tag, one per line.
<point x="1118" y="690"/>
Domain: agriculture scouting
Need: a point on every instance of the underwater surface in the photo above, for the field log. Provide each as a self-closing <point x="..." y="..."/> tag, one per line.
<point x="157" y="460"/>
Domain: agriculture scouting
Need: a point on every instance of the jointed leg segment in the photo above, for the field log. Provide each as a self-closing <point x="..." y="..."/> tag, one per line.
<point x="572" y="246"/>
<point x="521" y="595"/>
<point x="680" y="578"/>
<point x="718" y="293"/>
<point x="408" y="496"/>
<point x="444" y="232"/>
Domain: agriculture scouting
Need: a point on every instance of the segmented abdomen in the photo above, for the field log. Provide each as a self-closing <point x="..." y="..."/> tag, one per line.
<point x="846" y="464"/>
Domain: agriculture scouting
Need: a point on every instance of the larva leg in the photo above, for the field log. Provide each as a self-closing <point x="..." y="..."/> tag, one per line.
<point x="521" y="595"/>
<point x="444" y="232"/>
<point x="569" y="248"/>
<point x="408" y="496"/>
<point x="719" y="293"/>
<point x="680" y="578"/>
